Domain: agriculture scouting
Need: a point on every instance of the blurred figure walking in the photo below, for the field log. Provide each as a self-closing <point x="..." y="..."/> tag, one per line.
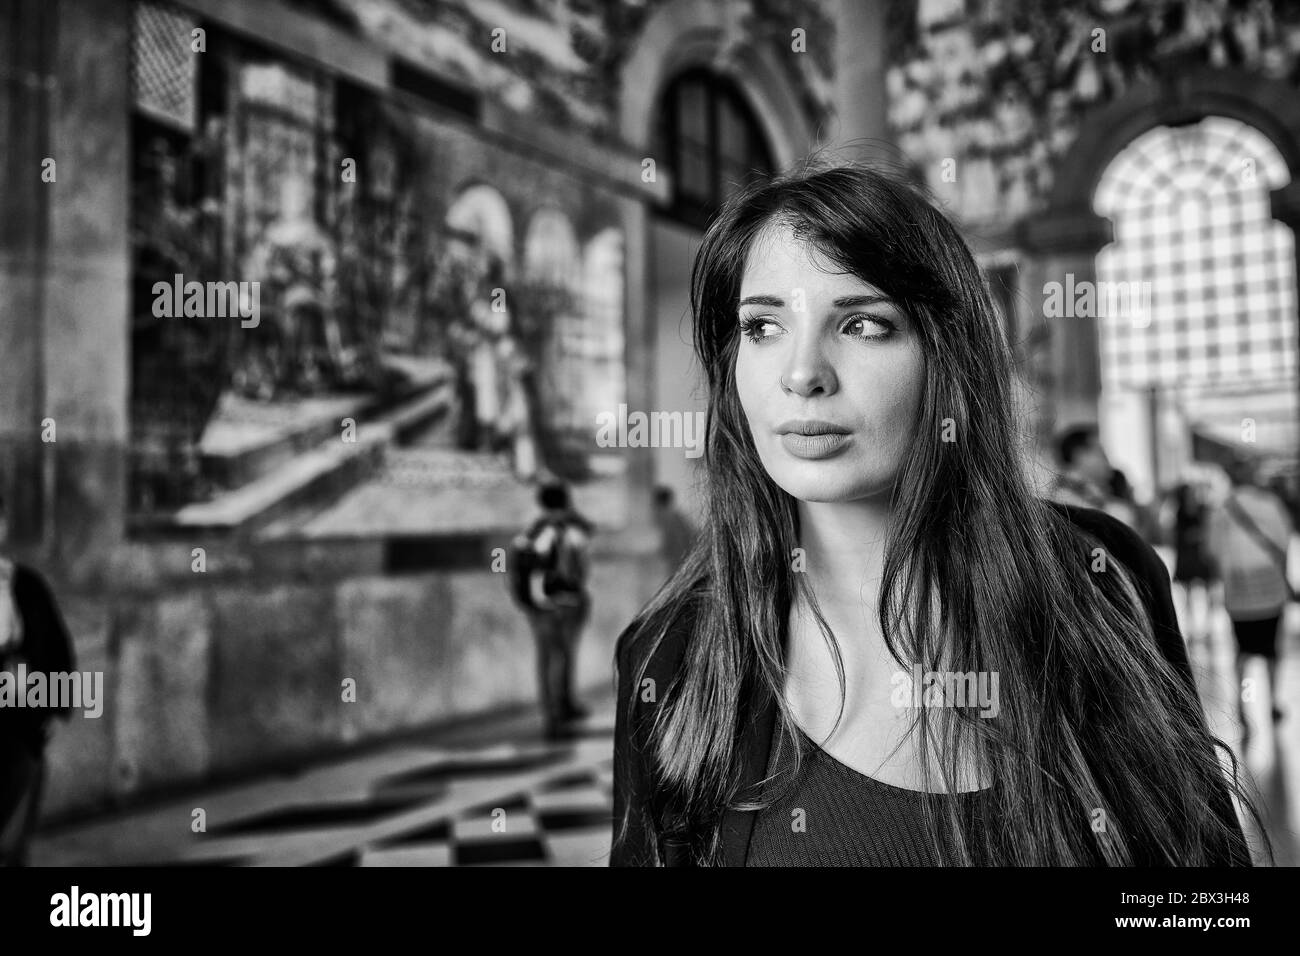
<point x="1194" y="572"/>
<point x="1088" y="480"/>
<point x="1249" y="536"/>
<point x="1122" y="503"/>
<point x="677" y="534"/>
<point x="549" y="567"/>
<point x="32" y="633"/>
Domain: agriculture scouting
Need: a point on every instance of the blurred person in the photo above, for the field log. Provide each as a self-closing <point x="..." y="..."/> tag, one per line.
<point x="1085" y="474"/>
<point x="32" y="633"/>
<point x="677" y="534"/>
<point x="1284" y="486"/>
<point x="1194" y="573"/>
<point x="518" y="420"/>
<point x="1088" y="480"/>
<point x="752" y="686"/>
<point x="485" y="369"/>
<point x="1123" y="504"/>
<point x="550" y="566"/>
<point x="1250" y="533"/>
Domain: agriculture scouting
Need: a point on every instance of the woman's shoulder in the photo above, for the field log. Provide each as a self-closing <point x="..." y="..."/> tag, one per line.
<point x="637" y="646"/>
<point x="1119" y="540"/>
<point x="1151" y="576"/>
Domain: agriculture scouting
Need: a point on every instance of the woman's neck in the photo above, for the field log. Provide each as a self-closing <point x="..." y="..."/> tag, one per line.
<point x="844" y="547"/>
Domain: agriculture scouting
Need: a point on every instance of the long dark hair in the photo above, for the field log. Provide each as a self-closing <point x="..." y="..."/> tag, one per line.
<point x="978" y="573"/>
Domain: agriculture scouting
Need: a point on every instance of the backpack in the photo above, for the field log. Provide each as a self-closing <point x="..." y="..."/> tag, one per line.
<point x="547" y="546"/>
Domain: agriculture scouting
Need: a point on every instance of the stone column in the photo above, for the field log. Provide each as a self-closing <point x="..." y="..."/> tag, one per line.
<point x="861" y="57"/>
<point x="27" y="83"/>
<point x="1064" y="244"/>
<point x="64" y="261"/>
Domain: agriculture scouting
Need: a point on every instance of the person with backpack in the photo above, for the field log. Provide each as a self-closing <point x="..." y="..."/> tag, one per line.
<point x="32" y="632"/>
<point x="1249" y="535"/>
<point x="548" y="566"/>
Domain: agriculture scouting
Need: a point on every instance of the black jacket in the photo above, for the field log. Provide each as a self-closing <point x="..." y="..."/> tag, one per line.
<point x="632" y="782"/>
<point x="45" y="647"/>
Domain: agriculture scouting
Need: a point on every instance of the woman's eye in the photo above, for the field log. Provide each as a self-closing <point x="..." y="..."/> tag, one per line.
<point x="869" y="327"/>
<point x="753" y="328"/>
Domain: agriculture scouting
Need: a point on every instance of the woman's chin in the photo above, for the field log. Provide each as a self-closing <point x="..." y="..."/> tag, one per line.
<point x="820" y="482"/>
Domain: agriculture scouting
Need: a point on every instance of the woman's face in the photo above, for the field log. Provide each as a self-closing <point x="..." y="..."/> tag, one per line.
<point x="817" y="347"/>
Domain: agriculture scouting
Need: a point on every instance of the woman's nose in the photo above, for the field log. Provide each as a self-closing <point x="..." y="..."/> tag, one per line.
<point x="808" y="370"/>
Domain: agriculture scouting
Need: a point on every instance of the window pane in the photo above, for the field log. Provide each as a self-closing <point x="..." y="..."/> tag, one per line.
<point x="733" y="133"/>
<point x="1214" y="310"/>
<point x="695" y="178"/>
<point x="693" y="112"/>
<point x="710" y="161"/>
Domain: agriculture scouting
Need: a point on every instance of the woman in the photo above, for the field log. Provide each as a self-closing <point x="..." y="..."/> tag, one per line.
<point x="1193" y="571"/>
<point x="1249" y="535"/>
<point x="866" y="527"/>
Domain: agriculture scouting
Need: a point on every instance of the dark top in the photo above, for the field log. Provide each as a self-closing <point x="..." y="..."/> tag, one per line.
<point x="634" y="788"/>
<point x="45" y="647"/>
<point x="1191" y="559"/>
<point x="678" y="536"/>
<point x="835" y="816"/>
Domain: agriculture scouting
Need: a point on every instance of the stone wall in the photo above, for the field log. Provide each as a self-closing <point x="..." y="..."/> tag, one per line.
<point x="997" y="89"/>
<point x="988" y="102"/>
<point x="560" y="62"/>
<point x="214" y="675"/>
<point x="63" y="276"/>
<point x="239" y="669"/>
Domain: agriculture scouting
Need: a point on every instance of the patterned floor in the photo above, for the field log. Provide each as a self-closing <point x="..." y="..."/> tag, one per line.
<point x="484" y="803"/>
<point x="493" y="793"/>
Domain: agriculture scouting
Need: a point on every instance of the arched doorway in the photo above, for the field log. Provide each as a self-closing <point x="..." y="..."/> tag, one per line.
<point x="1213" y="347"/>
<point x="480" y="213"/>
<point x="1066" y="238"/>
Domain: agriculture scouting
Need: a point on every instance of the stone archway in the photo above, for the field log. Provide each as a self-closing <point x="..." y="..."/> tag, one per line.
<point x="690" y="33"/>
<point x="480" y="210"/>
<point x="1066" y="236"/>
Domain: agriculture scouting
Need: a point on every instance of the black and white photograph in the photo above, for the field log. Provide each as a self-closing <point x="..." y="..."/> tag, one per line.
<point x="650" y="433"/>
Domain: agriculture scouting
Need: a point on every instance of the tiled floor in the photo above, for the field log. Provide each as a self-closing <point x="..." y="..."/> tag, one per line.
<point x="1272" y="752"/>
<point x="469" y="801"/>
<point x="493" y="793"/>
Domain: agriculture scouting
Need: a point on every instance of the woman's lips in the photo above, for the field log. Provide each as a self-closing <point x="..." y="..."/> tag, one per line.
<point x="814" y="446"/>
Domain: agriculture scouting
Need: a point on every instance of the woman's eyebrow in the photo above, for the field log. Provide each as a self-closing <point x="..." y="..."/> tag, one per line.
<point x="843" y="302"/>
<point x="849" y="301"/>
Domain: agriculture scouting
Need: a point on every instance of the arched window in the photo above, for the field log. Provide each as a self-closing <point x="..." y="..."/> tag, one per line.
<point x="553" y="273"/>
<point x="480" y="211"/>
<point x="604" y="376"/>
<point x="711" y="141"/>
<point x="1194" y="230"/>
